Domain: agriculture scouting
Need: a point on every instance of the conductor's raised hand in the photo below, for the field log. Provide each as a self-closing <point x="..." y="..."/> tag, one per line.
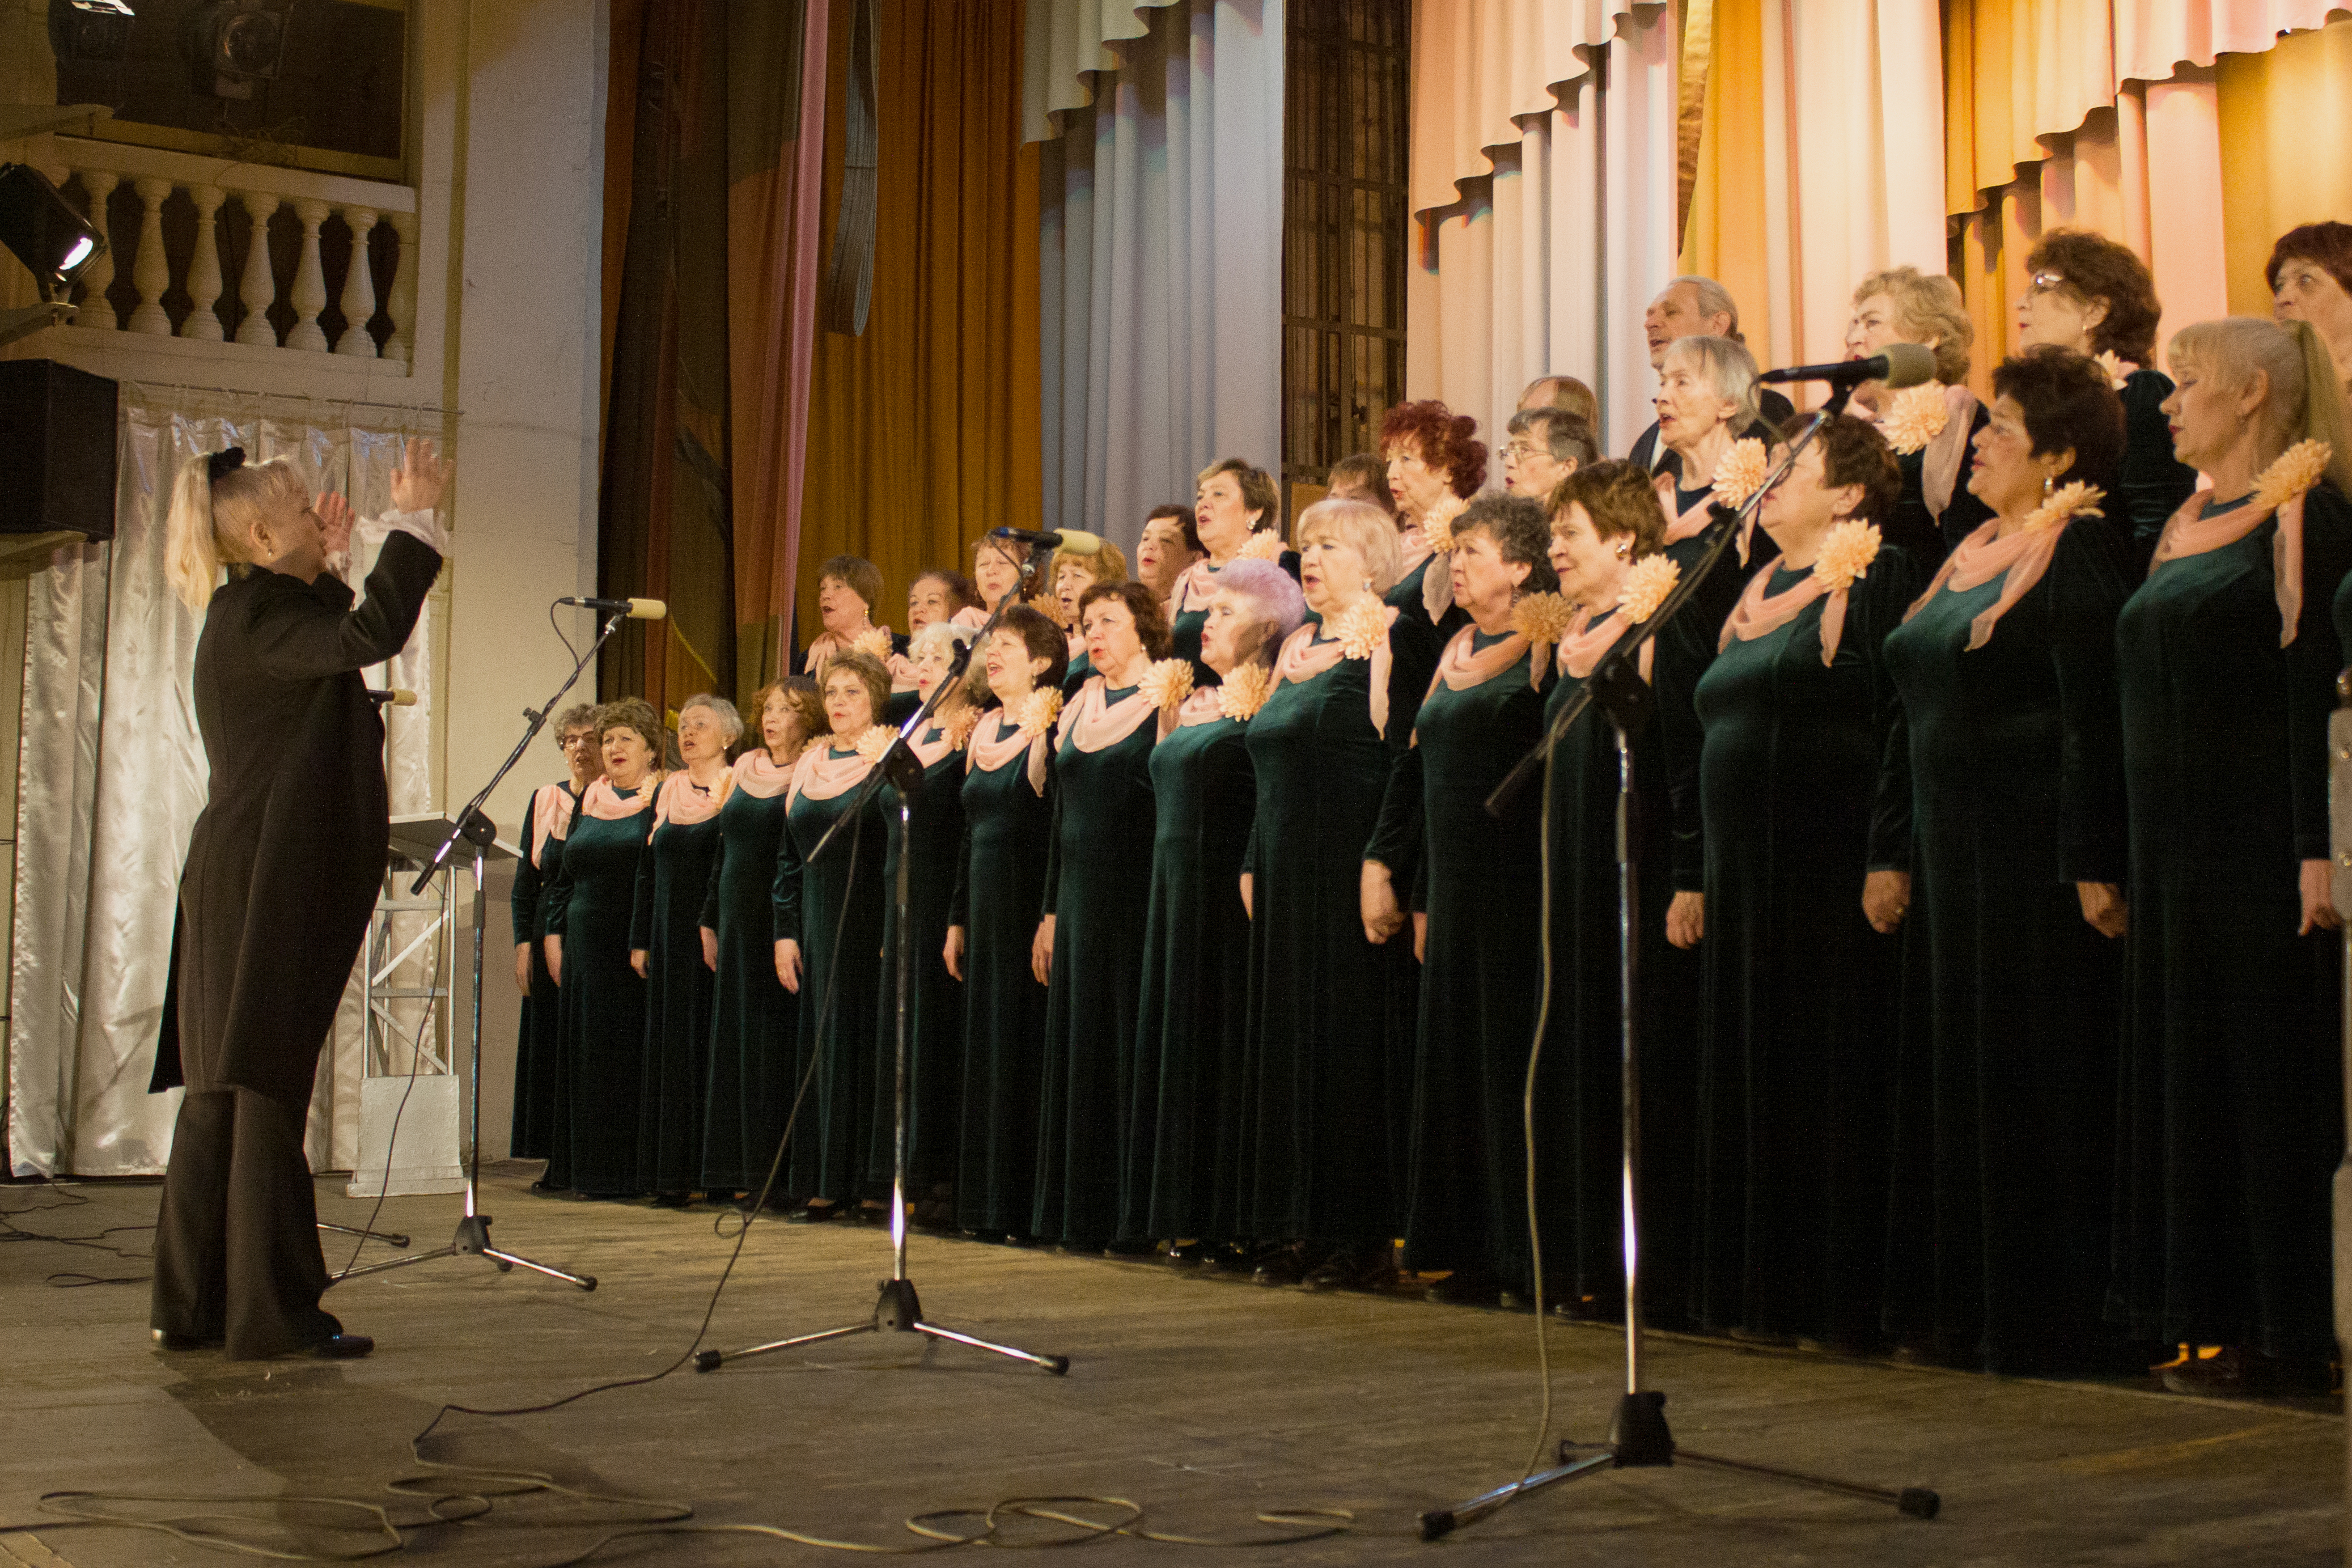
<point x="334" y="515"/>
<point x="422" y="477"/>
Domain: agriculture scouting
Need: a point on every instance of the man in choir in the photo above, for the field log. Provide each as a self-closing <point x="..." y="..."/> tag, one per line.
<point x="2310" y="274"/>
<point x="1546" y="446"/>
<point x="1698" y="307"/>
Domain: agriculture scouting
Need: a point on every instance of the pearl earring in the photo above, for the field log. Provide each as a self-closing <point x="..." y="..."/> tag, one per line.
<point x="1624" y="549"/>
<point x="2049" y="485"/>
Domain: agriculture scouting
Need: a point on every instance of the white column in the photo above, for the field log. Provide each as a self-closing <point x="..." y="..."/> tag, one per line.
<point x="97" y="311"/>
<point x="151" y="271"/>
<point x="257" y="291"/>
<point x="403" y="307"/>
<point x="203" y="267"/>
<point x="309" y="294"/>
<point x="359" y="288"/>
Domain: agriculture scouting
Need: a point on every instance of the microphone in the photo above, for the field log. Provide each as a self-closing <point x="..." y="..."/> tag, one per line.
<point x="1902" y="364"/>
<point x="1077" y="541"/>
<point x="398" y="697"/>
<point x="636" y="609"/>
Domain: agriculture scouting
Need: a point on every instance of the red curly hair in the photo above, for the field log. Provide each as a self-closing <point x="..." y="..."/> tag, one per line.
<point x="1445" y="439"/>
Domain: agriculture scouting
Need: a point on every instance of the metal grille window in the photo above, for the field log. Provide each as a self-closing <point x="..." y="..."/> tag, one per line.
<point x="1345" y="150"/>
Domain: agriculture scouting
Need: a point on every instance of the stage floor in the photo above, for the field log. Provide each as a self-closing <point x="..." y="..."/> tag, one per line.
<point x="1205" y="1401"/>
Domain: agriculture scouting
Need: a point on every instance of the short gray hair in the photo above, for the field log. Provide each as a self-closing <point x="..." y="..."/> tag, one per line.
<point x="731" y="722"/>
<point x="1273" y="596"/>
<point x="1726" y="362"/>
<point x="1713" y="300"/>
<point x="936" y="633"/>
<point x="1570" y="438"/>
<point x="1362" y="528"/>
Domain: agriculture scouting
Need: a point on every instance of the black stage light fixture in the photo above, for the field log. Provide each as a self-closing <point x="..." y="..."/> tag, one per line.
<point x="232" y="45"/>
<point x="48" y="236"/>
<point x="90" y="30"/>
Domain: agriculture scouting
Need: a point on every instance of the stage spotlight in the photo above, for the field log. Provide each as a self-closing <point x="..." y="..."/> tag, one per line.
<point x="234" y="44"/>
<point x="48" y="236"/>
<point x="90" y="30"/>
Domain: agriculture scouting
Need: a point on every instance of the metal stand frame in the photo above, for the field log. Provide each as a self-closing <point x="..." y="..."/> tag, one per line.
<point x="472" y="1238"/>
<point x="1638" y="1434"/>
<point x="897" y="1308"/>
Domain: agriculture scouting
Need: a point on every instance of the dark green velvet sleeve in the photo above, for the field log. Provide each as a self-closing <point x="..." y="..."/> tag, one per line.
<point x="1687" y="646"/>
<point x="2314" y="660"/>
<point x="708" y="914"/>
<point x="1052" y="843"/>
<point x="960" y="897"/>
<point x="785" y="896"/>
<point x="522" y="905"/>
<point x="555" y="901"/>
<point x="1396" y="834"/>
<point x="641" y="906"/>
<point x="1895" y="580"/>
<point x="2087" y="585"/>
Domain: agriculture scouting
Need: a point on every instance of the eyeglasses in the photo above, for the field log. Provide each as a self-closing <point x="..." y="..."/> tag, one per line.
<point x="568" y="742"/>
<point x="2043" y="284"/>
<point x="1520" y="452"/>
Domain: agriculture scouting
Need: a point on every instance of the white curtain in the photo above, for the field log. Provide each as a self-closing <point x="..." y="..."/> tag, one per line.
<point x="1161" y="251"/>
<point x="113" y="776"/>
<point x="1543" y="202"/>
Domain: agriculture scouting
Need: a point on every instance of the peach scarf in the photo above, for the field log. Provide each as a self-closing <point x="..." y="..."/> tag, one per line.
<point x="605" y="803"/>
<point x="1303" y="658"/>
<point x="1940" y="464"/>
<point x="551" y="806"/>
<point x="998" y="740"/>
<point x="683" y="801"/>
<point x="1760" y="613"/>
<point x="1692" y="523"/>
<point x="759" y="775"/>
<point x="1985" y="555"/>
<point x="1462" y="664"/>
<point x="1094" y="721"/>
<point x="2187" y="533"/>
<point x="820" y="775"/>
<point x="1581" y="652"/>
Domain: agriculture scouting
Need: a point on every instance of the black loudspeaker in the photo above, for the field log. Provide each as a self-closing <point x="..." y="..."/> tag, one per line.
<point x="57" y="450"/>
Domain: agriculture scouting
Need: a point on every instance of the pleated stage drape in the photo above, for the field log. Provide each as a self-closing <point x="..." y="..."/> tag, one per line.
<point x="1820" y="162"/>
<point x="1544" y="192"/>
<point x="1160" y="209"/>
<point x="113" y="774"/>
<point x="922" y="432"/>
<point x="2188" y="130"/>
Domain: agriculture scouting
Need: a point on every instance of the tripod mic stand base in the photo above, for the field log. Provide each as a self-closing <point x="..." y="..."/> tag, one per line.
<point x="896" y="1310"/>
<point x="472" y="1240"/>
<point x="1637" y="1433"/>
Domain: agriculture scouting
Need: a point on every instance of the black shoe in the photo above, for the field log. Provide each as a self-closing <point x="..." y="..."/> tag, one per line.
<point x="1237" y="1260"/>
<point x="672" y="1200"/>
<point x="341" y="1347"/>
<point x="165" y="1339"/>
<point x="1187" y="1253"/>
<point x="1348" y="1270"/>
<point x="1464" y="1289"/>
<point x="1287" y="1264"/>
<point x="1131" y="1250"/>
<point x="813" y="1214"/>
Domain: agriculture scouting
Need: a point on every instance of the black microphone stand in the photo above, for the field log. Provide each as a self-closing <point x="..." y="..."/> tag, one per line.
<point x="1638" y="1434"/>
<point x="897" y="1308"/>
<point x="474" y="826"/>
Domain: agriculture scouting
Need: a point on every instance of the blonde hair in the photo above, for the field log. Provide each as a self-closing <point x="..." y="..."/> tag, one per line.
<point x="211" y="523"/>
<point x="1108" y="565"/>
<point x="2305" y="403"/>
<point x="1362" y="528"/>
<point x="1927" y="306"/>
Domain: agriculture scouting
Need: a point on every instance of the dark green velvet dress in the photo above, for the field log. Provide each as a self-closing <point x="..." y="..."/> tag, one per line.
<point x="1803" y="788"/>
<point x="754" y="1019"/>
<point x="1081" y="666"/>
<point x="1407" y="599"/>
<point x="1480" y="986"/>
<point x="1914" y="526"/>
<point x="1194" y="1007"/>
<point x="673" y="882"/>
<point x="1996" y="1242"/>
<point x="1097" y="871"/>
<point x="592" y="904"/>
<point x="2232" y="1114"/>
<point x="934" y="997"/>
<point x="1327" y="1067"/>
<point x="1580" y="1117"/>
<point x="539" y="1038"/>
<point x="833" y="908"/>
<point x="999" y="898"/>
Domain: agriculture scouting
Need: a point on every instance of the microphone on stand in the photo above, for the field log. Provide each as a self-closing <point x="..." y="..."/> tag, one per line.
<point x="1901" y="366"/>
<point x="398" y="697"/>
<point x="1077" y="541"/>
<point x="636" y="609"/>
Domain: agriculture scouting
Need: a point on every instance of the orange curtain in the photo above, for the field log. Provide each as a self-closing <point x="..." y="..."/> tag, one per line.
<point x="924" y="432"/>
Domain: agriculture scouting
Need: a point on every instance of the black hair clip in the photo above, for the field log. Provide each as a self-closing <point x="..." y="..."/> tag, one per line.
<point x="224" y="462"/>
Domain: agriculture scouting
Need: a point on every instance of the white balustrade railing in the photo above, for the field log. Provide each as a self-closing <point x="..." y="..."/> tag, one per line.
<point x="91" y="171"/>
